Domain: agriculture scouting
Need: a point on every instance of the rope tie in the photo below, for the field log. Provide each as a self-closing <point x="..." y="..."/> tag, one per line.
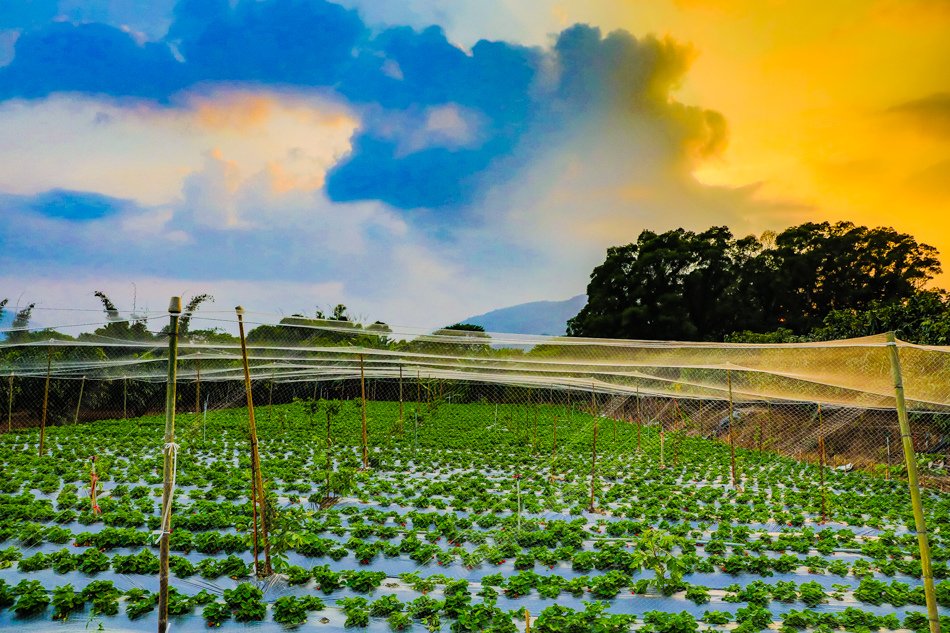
<point x="172" y="449"/>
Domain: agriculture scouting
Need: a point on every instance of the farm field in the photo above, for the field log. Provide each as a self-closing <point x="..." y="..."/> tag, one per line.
<point x="471" y="517"/>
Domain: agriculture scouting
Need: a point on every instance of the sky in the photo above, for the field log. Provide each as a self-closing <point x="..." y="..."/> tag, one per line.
<point x="424" y="161"/>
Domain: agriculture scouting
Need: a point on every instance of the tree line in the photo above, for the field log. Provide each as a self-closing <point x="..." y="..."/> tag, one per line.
<point x="814" y="281"/>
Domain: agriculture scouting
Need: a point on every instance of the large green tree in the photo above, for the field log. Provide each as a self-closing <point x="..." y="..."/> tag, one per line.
<point x="703" y="286"/>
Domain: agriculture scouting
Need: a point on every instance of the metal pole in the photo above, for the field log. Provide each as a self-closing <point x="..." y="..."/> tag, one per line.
<point x="82" y="385"/>
<point x="49" y="364"/>
<point x="258" y="480"/>
<point x="174" y="309"/>
<point x="363" y="403"/>
<point x="913" y="485"/>
<point x="732" y="444"/>
<point x="125" y="398"/>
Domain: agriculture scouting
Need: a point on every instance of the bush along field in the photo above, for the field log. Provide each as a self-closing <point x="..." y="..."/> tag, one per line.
<point x="472" y="517"/>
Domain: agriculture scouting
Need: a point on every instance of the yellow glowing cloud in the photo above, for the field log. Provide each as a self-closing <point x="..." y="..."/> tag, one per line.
<point x="811" y="91"/>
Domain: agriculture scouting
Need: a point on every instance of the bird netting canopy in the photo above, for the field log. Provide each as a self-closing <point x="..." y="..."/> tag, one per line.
<point x="850" y="373"/>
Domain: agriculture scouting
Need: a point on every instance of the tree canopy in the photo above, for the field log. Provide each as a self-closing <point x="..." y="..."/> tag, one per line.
<point x="682" y="285"/>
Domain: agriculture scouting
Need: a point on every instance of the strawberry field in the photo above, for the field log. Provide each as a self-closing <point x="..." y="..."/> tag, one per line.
<point x="471" y="517"/>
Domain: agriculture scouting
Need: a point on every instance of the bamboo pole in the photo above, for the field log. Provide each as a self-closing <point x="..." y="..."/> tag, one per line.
<point x="168" y="491"/>
<point x="400" y="402"/>
<point x="49" y="365"/>
<point x="10" y="404"/>
<point x="662" y="442"/>
<point x="93" y="484"/>
<point x="821" y="465"/>
<point x="82" y="385"/>
<point x="732" y="443"/>
<point x="639" y="420"/>
<point x="593" y="467"/>
<point x="198" y="385"/>
<point x="527" y="620"/>
<point x="363" y="411"/>
<point x="257" y="489"/>
<point x="913" y="484"/>
<point x="887" y="444"/>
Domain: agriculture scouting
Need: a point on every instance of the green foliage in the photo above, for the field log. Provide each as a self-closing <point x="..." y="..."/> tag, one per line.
<point x="682" y="285"/>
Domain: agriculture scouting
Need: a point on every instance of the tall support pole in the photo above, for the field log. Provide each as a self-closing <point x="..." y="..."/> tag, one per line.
<point x="662" y="441"/>
<point x="639" y="420"/>
<point x="82" y="386"/>
<point x="363" y="411"/>
<point x="49" y="365"/>
<point x="593" y="468"/>
<point x="732" y="443"/>
<point x="400" y="401"/>
<point x="10" y="403"/>
<point x="821" y="465"/>
<point x="257" y="479"/>
<point x="198" y="386"/>
<point x="168" y="489"/>
<point x="887" y="444"/>
<point x="125" y="398"/>
<point x="913" y="484"/>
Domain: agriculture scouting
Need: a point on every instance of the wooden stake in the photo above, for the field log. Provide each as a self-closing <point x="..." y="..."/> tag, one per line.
<point x="257" y="489"/>
<point x="198" y="386"/>
<point x="82" y="385"/>
<point x="912" y="483"/>
<point x="363" y="403"/>
<point x="49" y="365"/>
<point x="887" y="444"/>
<point x="400" y="401"/>
<point x="821" y="465"/>
<point x="527" y="620"/>
<point x="593" y="467"/>
<point x="732" y="444"/>
<point x="10" y="404"/>
<point x="174" y="309"/>
<point x="639" y="420"/>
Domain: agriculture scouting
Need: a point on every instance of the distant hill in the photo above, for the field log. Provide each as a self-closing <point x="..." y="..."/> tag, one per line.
<point x="536" y="317"/>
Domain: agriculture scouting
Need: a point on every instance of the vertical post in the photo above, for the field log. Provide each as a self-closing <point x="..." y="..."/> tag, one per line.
<point x="257" y="479"/>
<point x="10" y="404"/>
<point x="168" y="488"/>
<point x="82" y="385"/>
<point x="887" y="444"/>
<point x="518" y="489"/>
<point x="821" y="465"/>
<point x="198" y="385"/>
<point x="593" y="467"/>
<point x="400" y="401"/>
<point x="639" y="420"/>
<point x="363" y="411"/>
<point x="912" y="483"/>
<point x="125" y="398"/>
<point x="762" y="425"/>
<point x="662" y="441"/>
<point x="93" y="484"/>
<point x="49" y="364"/>
<point x="732" y="443"/>
<point x="527" y="620"/>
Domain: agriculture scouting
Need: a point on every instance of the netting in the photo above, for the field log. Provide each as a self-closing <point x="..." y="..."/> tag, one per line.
<point x="365" y="428"/>
<point x="775" y="391"/>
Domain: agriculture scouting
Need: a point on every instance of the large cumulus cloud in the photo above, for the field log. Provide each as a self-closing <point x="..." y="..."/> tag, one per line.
<point x="512" y="95"/>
